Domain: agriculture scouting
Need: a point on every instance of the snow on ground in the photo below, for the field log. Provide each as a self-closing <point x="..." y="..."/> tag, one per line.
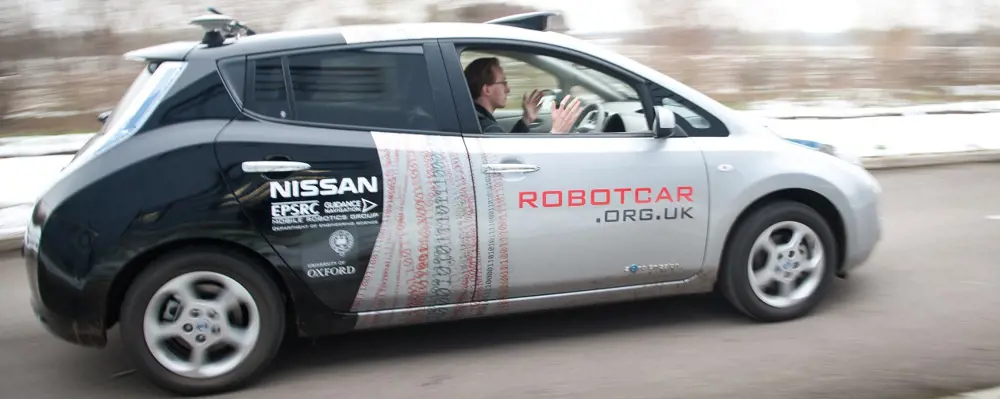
<point x="845" y="109"/>
<point x="883" y="136"/>
<point x="24" y="174"/>
<point x="42" y="145"/>
<point x="23" y="179"/>
<point x="27" y="177"/>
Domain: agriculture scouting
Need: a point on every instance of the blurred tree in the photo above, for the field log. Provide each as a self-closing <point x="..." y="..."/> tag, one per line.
<point x="686" y="28"/>
<point x="683" y="25"/>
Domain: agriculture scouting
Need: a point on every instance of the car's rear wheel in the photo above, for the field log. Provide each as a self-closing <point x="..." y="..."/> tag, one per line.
<point x="780" y="262"/>
<point x="202" y="322"/>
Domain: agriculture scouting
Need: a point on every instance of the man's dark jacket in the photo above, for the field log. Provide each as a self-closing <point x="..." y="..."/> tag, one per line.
<point x="489" y="124"/>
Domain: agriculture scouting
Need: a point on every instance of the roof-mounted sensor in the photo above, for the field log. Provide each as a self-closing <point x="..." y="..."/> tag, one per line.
<point x="538" y="20"/>
<point x="218" y="27"/>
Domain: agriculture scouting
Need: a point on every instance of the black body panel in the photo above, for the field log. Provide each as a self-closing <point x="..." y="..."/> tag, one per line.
<point x="299" y="222"/>
<point x="94" y="229"/>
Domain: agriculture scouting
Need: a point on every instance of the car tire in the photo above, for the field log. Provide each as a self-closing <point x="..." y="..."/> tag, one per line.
<point x="202" y="321"/>
<point x="751" y="294"/>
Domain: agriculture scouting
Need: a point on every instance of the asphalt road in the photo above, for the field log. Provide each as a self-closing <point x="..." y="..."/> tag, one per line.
<point x="920" y="320"/>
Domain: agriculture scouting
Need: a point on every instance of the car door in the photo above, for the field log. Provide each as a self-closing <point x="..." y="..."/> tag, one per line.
<point x="351" y="166"/>
<point x="579" y="212"/>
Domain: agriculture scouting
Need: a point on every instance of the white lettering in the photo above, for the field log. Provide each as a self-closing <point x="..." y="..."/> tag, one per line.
<point x="303" y="208"/>
<point x="331" y="271"/>
<point x="323" y="187"/>
<point x="359" y="216"/>
<point x="342" y="206"/>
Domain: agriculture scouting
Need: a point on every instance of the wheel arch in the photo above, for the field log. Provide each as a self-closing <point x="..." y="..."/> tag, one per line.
<point x="131" y="269"/>
<point x="826" y="208"/>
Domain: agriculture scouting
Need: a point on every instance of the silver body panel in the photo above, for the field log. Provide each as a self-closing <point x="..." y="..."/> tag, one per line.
<point x="590" y="212"/>
<point x="505" y="257"/>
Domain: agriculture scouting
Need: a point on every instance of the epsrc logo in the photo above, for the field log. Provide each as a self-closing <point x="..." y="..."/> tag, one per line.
<point x="297" y="208"/>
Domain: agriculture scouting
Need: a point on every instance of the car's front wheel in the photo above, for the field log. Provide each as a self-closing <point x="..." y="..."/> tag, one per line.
<point x="203" y="321"/>
<point x="780" y="262"/>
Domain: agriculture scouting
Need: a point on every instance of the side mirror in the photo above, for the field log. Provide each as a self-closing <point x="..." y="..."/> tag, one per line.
<point x="103" y="116"/>
<point x="664" y="123"/>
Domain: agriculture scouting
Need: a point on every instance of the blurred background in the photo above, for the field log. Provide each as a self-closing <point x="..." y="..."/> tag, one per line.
<point x="920" y="321"/>
<point x="60" y="60"/>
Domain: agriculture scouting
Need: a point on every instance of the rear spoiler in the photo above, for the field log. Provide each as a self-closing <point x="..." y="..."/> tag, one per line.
<point x="176" y="51"/>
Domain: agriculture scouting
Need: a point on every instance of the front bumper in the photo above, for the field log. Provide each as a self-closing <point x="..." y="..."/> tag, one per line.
<point x="863" y="234"/>
<point x="68" y="329"/>
<point x="61" y="324"/>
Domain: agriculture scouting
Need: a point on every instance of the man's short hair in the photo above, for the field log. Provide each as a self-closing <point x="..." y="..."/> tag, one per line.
<point x="479" y="73"/>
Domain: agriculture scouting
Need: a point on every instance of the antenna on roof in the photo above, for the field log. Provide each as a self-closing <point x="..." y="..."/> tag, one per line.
<point x="218" y="27"/>
<point x="538" y="20"/>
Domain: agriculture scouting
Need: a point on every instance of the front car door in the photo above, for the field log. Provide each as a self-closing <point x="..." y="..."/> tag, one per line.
<point x="581" y="212"/>
<point x="351" y="166"/>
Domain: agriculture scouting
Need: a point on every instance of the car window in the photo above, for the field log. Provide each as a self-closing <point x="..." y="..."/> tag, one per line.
<point x="386" y="88"/>
<point x="614" y="84"/>
<point x="267" y="93"/>
<point x="695" y="122"/>
<point x="521" y="77"/>
<point x="693" y="118"/>
<point x="527" y="70"/>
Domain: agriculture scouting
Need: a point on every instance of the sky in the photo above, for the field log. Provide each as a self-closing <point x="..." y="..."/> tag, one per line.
<point x="581" y="15"/>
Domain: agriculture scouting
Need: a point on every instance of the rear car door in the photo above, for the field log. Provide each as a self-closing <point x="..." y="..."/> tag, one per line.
<point x="350" y="164"/>
<point x="577" y="212"/>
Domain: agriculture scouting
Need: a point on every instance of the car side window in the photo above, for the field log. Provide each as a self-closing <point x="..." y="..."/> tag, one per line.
<point x="385" y="87"/>
<point x="695" y="121"/>
<point x="266" y="93"/>
<point x="528" y="68"/>
<point x="521" y="77"/>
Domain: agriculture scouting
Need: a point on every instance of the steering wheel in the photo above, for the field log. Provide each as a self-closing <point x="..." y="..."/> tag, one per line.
<point x="595" y="122"/>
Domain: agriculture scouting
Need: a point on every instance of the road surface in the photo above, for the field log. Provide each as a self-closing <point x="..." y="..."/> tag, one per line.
<point x="920" y="320"/>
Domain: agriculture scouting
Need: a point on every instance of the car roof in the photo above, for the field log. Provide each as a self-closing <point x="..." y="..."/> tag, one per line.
<point x="351" y="34"/>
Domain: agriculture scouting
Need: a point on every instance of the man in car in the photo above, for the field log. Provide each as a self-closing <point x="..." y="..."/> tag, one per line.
<point x="488" y="85"/>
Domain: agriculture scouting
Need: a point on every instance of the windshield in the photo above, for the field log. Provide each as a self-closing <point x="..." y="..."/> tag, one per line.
<point x="138" y="103"/>
<point x="615" y="84"/>
<point x="116" y="114"/>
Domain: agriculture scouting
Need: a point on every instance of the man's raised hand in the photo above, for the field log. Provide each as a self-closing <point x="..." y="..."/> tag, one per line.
<point x="565" y="115"/>
<point x="530" y="105"/>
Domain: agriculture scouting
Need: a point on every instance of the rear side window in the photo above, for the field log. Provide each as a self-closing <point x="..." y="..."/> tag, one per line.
<point x="266" y="90"/>
<point x="387" y="88"/>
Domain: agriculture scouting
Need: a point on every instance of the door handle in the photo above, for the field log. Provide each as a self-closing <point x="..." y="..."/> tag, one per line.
<point x="509" y="168"/>
<point x="274" y="166"/>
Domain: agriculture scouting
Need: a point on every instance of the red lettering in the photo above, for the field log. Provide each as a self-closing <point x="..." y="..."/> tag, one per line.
<point x="664" y="195"/>
<point x="602" y="196"/>
<point x="607" y="197"/>
<point x="622" y="191"/>
<point x="649" y="192"/>
<point x="527" y="197"/>
<point x="685" y="192"/>
<point x="577" y="198"/>
<point x="545" y="199"/>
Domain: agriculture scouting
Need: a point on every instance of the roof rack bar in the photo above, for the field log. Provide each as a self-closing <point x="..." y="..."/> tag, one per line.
<point x="537" y="20"/>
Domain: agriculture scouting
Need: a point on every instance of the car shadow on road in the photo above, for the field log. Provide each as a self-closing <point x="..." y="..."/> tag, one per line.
<point x="695" y="312"/>
<point x="400" y="342"/>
